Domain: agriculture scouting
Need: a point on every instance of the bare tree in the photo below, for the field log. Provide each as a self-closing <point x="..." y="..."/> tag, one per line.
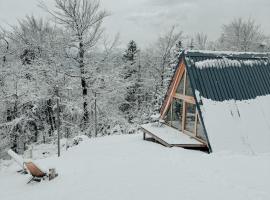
<point x="4" y="45"/>
<point x="83" y="18"/>
<point x="201" y="41"/>
<point x="161" y="59"/>
<point x="110" y="45"/>
<point x="241" y="35"/>
<point x="165" y="45"/>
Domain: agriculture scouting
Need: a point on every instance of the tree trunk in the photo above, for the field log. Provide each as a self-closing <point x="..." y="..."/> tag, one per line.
<point x="50" y="116"/>
<point x="162" y="81"/>
<point x="83" y="82"/>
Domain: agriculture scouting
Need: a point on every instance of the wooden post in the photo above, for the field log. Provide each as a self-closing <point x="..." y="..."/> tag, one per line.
<point x="58" y="121"/>
<point x="95" y="95"/>
<point x="31" y="151"/>
<point x="196" y="122"/>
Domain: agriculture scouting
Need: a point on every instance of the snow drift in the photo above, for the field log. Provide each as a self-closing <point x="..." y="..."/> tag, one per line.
<point x="239" y="126"/>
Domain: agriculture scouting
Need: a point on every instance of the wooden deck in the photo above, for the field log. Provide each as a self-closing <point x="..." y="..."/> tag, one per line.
<point x="170" y="137"/>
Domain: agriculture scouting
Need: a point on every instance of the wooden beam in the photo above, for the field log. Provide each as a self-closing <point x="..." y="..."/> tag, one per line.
<point x="185" y="77"/>
<point x="172" y="88"/>
<point x="188" y="99"/>
<point x="183" y="116"/>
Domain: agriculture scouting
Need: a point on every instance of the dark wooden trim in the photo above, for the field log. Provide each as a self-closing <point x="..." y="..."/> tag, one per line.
<point x="196" y="121"/>
<point x="173" y="87"/>
<point x="189" y="145"/>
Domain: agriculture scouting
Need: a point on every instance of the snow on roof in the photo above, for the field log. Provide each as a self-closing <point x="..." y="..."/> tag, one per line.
<point x="227" y="53"/>
<point x="225" y="78"/>
<point x="238" y="126"/>
<point x="225" y="62"/>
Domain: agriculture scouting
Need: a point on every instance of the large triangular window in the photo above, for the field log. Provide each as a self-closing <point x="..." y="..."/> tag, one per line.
<point x="182" y="113"/>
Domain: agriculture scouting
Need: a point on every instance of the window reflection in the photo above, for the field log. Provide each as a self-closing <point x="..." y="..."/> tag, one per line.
<point x="190" y="117"/>
<point x="177" y="111"/>
<point x="168" y="116"/>
<point x="200" y="132"/>
<point x="180" y="88"/>
<point x="188" y="88"/>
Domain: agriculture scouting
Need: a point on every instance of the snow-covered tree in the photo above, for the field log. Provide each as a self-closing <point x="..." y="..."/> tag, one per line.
<point x="241" y="35"/>
<point x="163" y="56"/>
<point x="201" y="41"/>
<point x="83" y="19"/>
<point x="132" y="76"/>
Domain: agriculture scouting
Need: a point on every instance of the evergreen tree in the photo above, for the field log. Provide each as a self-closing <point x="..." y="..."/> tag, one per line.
<point x="133" y="78"/>
<point x="176" y="53"/>
<point x="131" y="52"/>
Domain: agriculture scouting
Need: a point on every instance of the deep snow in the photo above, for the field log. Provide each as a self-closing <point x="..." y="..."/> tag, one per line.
<point x="125" y="167"/>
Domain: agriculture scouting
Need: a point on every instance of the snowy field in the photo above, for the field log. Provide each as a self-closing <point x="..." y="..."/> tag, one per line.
<point x="126" y="167"/>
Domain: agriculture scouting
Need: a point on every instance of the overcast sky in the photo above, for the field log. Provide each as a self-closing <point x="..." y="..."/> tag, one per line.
<point x="144" y="20"/>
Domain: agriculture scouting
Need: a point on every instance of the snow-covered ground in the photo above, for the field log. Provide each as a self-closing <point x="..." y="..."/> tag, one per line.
<point x="125" y="167"/>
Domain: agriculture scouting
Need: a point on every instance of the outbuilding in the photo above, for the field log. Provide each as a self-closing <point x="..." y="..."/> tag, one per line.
<point x="219" y="101"/>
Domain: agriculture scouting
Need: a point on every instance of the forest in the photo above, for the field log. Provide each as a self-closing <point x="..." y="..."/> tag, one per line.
<point x="66" y="73"/>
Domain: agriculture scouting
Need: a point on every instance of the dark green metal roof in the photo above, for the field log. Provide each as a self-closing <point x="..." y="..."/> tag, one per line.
<point x="226" y="75"/>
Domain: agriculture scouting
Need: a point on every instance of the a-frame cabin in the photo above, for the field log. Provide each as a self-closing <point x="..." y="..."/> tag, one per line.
<point x="206" y="84"/>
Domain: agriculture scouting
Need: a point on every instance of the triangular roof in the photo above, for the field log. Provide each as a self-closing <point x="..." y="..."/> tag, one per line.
<point x="238" y="76"/>
<point x="225" y="77"/>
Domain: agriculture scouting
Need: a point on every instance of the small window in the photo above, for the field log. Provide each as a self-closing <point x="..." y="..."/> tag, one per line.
<point x="188" y="87"/>
<point x="177" y="111"/>
<point x="180" y="88"/>
<point x="190" y="117"/>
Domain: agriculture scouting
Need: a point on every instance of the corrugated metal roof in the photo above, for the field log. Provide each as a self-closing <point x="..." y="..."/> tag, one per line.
<point x="226" y="75"/>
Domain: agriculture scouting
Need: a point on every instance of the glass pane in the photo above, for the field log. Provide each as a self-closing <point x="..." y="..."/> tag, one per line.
<point x="200" y="131"/>
<point x="188" y="88"/>
<point x="168" y="117"/>
<point x="177" y="111"/>
<point x="180" y="88"/>
<point x="190" y="117"/>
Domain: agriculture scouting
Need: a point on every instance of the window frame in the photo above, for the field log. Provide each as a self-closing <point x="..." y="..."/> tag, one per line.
<point x="186" y="99"/>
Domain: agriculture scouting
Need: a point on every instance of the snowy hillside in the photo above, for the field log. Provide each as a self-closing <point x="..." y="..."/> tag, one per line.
<point x="126" y="167"/>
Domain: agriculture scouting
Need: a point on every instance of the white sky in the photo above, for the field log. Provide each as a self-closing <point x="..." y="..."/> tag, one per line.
<point x="144" y="20"/>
